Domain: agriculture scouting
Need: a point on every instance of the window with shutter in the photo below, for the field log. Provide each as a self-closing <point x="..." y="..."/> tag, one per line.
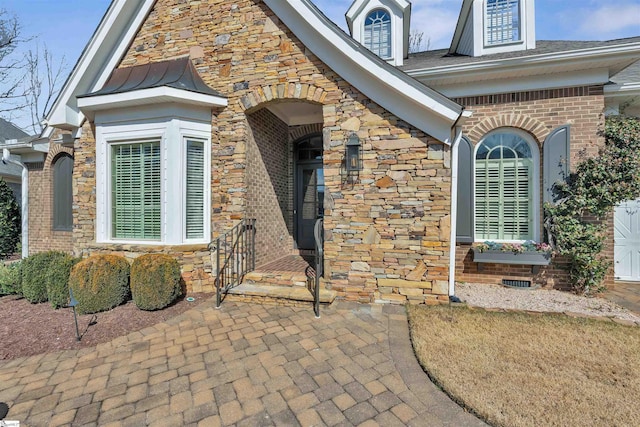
<point x="62" y="193"/>
<point x="502" y="21"/>
<point x="195" y="189"/>
<point x="136" y="190"/>
<point x="505" y="196"/>
<point x="377" y="33"/>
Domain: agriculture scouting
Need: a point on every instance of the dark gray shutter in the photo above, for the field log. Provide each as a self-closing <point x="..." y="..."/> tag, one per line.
<point x="464" y="224"/>
<point x="62" y="193"/>
<point x="556" y="152"/>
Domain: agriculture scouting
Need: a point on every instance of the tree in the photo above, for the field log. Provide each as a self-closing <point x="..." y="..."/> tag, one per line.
<point x="29" y="82"/>
<point x="9" y="221"/>
<point x="417" y="43"/>
<point x="11" y="73"/>
<point x="42" y="75"/>
<point x="577" y="224"/>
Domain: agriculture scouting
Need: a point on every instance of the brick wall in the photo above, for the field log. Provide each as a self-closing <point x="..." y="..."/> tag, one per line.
<point x="42" y="236"/>
<point x="386" y="232"/>
<point x="267" y="181"/>
<point x="537" y="113"/>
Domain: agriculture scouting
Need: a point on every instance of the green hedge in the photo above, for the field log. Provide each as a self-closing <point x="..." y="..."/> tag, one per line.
<point x="11" y="278"/>
<point x="57" y="279"/>
<point x="100" y="283"/>
<point x="155" y="281"/>
<point x="10" y="222"/>
<point x="34" y="274"/>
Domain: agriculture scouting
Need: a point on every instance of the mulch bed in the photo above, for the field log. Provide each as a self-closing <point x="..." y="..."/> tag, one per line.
<point x="28" y="329"/>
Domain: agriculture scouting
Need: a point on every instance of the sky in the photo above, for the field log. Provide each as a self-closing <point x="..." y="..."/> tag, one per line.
<point x="67" y="25"/>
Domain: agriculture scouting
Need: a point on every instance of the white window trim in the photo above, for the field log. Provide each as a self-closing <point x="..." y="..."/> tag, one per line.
<point x="172" y="130"/>
<point x="186" y="136"/>
<point x="535" y="158"/>
<point x="485" y="23"/>
<point x="389" y="12"/>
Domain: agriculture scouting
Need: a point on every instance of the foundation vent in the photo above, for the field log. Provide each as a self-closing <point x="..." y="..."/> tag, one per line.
<point x="516" y="283"/>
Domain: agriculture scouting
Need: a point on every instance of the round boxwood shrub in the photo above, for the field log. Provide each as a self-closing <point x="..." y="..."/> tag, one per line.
<point x="57" y="277"/>
<point x="11" y="278"/>
<point x="155" y="281"/>
<point x="10" y="223"/>
<point x="100" y="283"/>
<point x="34" y="274"/>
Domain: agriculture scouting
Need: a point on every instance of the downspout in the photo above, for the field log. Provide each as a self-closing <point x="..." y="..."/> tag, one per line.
<point x="457" y="132"/>
<point x="6" y="158"/>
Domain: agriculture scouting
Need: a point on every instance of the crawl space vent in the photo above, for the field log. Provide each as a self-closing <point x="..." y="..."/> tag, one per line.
<point x="516" y="283"/>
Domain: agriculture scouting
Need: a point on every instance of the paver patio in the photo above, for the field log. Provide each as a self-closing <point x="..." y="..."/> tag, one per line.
<point x="245" y="365"/>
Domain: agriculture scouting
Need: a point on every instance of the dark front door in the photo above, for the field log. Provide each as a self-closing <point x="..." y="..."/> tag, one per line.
<point x="309" y="201"/>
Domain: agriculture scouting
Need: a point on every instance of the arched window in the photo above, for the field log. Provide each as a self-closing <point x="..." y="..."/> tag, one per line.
<point x="377" y="33"/>
<point x="62" y="193"/>
<point x="506" y="173"/>
<point x="502" y="21"/>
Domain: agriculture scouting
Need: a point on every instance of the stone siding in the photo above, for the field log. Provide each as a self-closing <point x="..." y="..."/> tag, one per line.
<point x="386" y="231"/>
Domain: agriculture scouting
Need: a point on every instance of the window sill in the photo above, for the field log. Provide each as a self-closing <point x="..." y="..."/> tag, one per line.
<point x="150" y="247"/>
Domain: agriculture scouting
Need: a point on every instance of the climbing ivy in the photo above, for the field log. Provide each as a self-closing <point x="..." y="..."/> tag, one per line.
<point x="577" y="223"/>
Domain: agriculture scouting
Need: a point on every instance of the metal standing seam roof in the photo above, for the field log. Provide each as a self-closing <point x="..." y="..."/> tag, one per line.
<point x="176" y="73"/>
<point x="441" y="57"/>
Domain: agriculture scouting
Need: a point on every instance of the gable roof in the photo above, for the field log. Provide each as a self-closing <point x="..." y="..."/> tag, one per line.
<point x="398" y="93"/>
<point x="10" y="131"/>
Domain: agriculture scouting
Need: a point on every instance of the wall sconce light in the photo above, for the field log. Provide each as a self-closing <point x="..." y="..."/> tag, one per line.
<point x="353" y="155"/>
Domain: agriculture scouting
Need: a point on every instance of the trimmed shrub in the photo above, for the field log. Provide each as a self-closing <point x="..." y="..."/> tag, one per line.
<point x="57" y="279"/>
<point x="10" y="223"/>
<point x="34" y="274"/>
<point x="100" y="283"/>
<point x="11" y="278"/>
<point x="155" y="281"/>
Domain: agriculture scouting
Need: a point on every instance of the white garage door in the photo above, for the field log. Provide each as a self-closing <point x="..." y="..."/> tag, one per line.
<point x="627" y="241"/>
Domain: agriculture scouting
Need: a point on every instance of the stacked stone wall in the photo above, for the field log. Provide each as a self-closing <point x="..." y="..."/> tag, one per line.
<point x="386" y="230"/>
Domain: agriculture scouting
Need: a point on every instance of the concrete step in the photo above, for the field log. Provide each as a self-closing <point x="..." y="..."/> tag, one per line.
<point x="293" y="293"/>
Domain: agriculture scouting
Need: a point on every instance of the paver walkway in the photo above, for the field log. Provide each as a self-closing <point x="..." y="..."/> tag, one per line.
<point x="244" y="364"/>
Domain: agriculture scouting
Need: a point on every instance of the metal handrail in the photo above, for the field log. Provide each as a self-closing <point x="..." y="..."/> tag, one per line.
<point x="236" y="250"/>
<point x="318" y="234"/>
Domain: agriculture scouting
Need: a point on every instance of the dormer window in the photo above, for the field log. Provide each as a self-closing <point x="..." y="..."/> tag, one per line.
<point x="502" y="22"/>
<point x="377" y="33"/>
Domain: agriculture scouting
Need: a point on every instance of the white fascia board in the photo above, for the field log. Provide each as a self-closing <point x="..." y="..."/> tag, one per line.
<point x="462" y="21"/>
<point x="392" y="89"/>
<point x="102" y="54"/>
<point x="582" y="58"/>
<point x="521" y="84"/>
<point x="154" y="95"/>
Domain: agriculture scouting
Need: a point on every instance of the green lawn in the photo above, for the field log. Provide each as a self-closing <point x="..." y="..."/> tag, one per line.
<point x="517" y="369"/>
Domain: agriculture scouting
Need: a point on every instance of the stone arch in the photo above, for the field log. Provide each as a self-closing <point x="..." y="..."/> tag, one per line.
<point x="533" y="126"/>
<point x="282" y="91"/>
<point x="55" y="151"/>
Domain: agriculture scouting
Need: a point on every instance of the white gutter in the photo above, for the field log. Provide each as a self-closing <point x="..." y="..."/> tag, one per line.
<point x="454" y="207"/>
<point x="6" y="158"/>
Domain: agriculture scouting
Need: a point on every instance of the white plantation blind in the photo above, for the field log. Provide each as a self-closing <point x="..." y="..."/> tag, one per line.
<point x="504" y="189"/>
<point x="195" y="189"/>
<point x="502" y="21"/>
<point x="136" y="190"/>
<point x="377" y="33"/>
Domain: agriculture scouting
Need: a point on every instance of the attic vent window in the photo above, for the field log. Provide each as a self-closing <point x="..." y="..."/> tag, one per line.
<point x="502" y="21"/>
<point x="377" y="33"/>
